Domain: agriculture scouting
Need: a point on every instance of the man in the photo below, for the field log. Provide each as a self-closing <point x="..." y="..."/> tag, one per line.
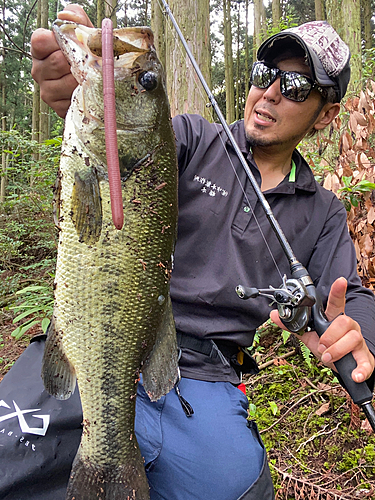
<point x="301" y="76"/>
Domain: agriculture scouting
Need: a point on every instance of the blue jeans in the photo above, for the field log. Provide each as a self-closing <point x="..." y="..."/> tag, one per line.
<point x="212" y="455"/>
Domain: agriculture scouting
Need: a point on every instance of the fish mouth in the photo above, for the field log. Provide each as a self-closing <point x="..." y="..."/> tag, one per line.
<point x="125" y="41"/>
<point x="128" y="43"/>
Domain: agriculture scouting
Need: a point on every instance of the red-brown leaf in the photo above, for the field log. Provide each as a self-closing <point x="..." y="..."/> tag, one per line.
<point x="323" y="409"/>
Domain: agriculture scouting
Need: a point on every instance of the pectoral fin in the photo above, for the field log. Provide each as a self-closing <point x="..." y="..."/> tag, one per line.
<point x="86" y="207"/>
<point x="160" y="370"/>
<point x="58" y="374"/>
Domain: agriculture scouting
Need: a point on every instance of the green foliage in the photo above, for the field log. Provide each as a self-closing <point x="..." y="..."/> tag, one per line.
<point x="218" y="82"/>
<point x="364" y="456"/>
<point x="252" y="410"/>
<point x="36" y="305"/>
<point x="24" y="172"/>
<point x="15" y="65"/>
<point x="351" y="193"/>
<point x="27" y="232"/>
<point x="306" y="353"/>
<point x="368" y="65"/>
<point x="301" y="11"/>
<point x="286" y="22"/>
<point x="285" y="336"/>
<point x="256" y="348"/>
<point x="328" y="375"/>
<point x="274" y="408"/>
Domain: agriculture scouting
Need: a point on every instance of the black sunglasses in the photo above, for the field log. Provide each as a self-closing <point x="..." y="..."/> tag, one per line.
<point x="293" y="86"/>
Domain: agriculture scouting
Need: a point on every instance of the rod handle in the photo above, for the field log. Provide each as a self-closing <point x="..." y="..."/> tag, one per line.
<point x="359" y="392"/>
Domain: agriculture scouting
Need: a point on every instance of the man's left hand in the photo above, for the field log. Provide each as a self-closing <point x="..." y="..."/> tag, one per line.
<point x="341" y="337"/>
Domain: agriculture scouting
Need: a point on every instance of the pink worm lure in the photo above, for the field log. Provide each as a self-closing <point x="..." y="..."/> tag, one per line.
<point x="110" y="128"/>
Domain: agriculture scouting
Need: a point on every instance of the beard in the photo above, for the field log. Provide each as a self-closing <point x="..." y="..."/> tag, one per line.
<point x="255" y="137"/>
<point x="255" y="140"/>
<point x="259" y="140"/>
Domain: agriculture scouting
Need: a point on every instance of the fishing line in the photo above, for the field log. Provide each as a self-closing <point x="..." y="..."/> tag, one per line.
<point x="217" y="127"/>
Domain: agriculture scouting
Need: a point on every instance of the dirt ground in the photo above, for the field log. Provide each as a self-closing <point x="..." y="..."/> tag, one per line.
<point x="11" y="349"/>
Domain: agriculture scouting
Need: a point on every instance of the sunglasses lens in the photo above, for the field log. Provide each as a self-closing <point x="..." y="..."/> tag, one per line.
<point x="295" y="87"/>
<point x="262" y="76"/>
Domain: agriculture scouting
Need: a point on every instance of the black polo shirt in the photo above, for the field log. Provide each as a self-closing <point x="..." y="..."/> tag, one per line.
<point x="224" y="239"/>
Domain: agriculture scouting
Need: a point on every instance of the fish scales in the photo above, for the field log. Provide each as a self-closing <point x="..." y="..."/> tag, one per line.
<point x="112" y="315"/>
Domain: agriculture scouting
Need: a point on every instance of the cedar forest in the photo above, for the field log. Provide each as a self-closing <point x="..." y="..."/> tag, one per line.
<point x="320" y="446"/>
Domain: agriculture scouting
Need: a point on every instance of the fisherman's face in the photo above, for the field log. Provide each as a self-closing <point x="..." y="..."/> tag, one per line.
<point x="273" y="120"/>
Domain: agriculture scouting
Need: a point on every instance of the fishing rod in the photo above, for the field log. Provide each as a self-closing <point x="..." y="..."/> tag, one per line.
<point x="298" y="302"/>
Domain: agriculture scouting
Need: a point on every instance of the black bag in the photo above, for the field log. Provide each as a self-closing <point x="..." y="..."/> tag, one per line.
<point x="39" y="435"/>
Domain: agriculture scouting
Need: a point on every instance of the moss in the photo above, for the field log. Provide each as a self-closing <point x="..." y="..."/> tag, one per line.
<point x="289" y="444"/>
<point x="364" y="457"/>
<point x="333" y="453"/>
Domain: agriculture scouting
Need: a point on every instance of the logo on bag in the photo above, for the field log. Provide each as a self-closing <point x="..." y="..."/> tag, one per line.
<point x="27" y="427"/>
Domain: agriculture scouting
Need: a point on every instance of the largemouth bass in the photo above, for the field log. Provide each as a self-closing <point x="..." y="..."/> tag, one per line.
<point x="112" y="315"/>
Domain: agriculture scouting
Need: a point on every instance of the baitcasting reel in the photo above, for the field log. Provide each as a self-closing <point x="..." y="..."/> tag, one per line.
<point x="293" y="302"/>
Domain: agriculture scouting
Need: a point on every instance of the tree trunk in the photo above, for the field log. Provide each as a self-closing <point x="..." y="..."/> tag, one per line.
<point x="238" y="81"/>
<point x="263" y="21"/>
<point x="257" y="27"/>
<point x="319" y="10"/>
<point x="185" y="93"/>
<point x="333" y="12"/>
<point x="44" y="108"/>
<point x="146" y="13"/>
<point x="247" y="73"/>
<point x="3" y="183"/>
<point x="338" y="12"/>
<point x="159" y="29"/>
<point x="39" y="14"/>
<point x="228" y="61"/>
<point x="366" y="7"/>
<point x="276" y="14"/>
<point x="35" y="118"/>
<point x="351" y="34"/>
<point x="110" y="11"/>
<point x="99" y="13"/>
<point x="126" y="13"/>
<point x="43" y="122"/>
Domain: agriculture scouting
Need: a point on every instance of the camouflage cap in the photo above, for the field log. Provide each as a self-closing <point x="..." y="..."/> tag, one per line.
<point x="328" y="56"/>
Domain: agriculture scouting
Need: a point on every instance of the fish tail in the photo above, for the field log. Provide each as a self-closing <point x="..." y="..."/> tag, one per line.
<point x="89" y="481"/>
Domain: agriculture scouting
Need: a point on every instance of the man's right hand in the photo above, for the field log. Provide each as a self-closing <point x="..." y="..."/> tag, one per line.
<point x="50" y="68"/>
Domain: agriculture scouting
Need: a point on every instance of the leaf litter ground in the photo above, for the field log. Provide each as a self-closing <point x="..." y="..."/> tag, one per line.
<point x="11" y="349"/>
<point x="319" y="445"/>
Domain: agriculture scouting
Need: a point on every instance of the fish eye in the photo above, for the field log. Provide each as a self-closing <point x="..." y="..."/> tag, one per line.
<point x="148" y="80"/>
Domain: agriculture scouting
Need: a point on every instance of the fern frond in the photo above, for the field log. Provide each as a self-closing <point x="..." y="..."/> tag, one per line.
<point x="306" y="353"/>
